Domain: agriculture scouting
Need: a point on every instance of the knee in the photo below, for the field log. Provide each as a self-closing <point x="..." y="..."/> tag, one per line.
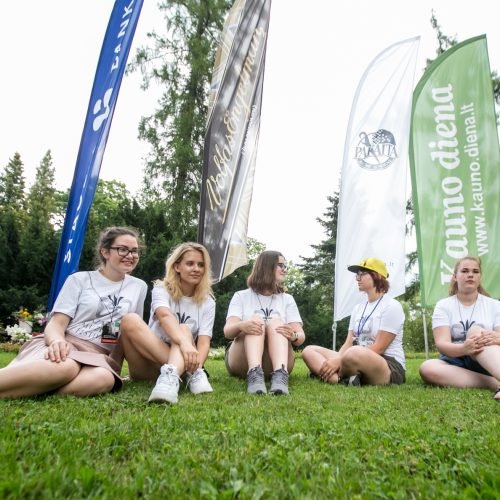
<point x="68" y="370"/>
<point x="104" y="382"/>
<point x="428" y="371"/>
<point x="474" y="331"/>
<point x="130" y="324"/>
<point x="353" y="356"/>
<point x="307" y="353"/>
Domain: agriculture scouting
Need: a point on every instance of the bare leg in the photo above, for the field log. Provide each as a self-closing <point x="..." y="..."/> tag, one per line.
<point x="176" y="359"/>
<point x="237" y="363"/>
<point x="314" y="356"/>
<point x="440" y="373"/>
<point x="278" y="346"/>
<point x="254" y="349"/>
<point x="238" y="356"/>
<point x="91" y="380"/>
<point x="144" y="351"/>
<point x="489" y="359"/>
<point x="372" y="367"/>
<point x="36" y="377"/>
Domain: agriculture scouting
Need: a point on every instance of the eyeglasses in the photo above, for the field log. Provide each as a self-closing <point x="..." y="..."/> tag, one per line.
<point x="124" y="251"/>
<point x="283" y="266"/>
<point x="360" y="274"/>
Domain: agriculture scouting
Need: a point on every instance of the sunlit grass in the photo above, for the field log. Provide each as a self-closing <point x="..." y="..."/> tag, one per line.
<point x="321" y="442"/>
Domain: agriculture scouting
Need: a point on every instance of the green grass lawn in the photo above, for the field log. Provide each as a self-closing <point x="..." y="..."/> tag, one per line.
<point x="321" y="442"/>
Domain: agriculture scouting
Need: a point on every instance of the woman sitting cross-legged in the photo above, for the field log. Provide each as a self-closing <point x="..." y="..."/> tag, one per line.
<point x="373" y="350"/>
<point x="263" y="323"/>
<point x="177" y="339"/>
<point x="77" y="354"/>
<point x="466" y="328"/>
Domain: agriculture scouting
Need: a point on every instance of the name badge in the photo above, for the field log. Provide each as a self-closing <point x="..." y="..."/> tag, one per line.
<point x="110" y="333"/>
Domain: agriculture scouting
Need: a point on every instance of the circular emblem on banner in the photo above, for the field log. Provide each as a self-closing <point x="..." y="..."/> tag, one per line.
<point x="376" y="151"/>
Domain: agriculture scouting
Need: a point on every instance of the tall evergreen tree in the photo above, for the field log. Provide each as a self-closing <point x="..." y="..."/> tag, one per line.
<point x="181" y="61"/>
<point x="12" y="219"/>
<point x="12" y="185"/>
<point x="38" y="236"/>
<point x="314" y="294"/>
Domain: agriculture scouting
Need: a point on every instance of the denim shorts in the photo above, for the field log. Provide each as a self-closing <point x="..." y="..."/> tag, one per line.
<point x="465" y="362"/>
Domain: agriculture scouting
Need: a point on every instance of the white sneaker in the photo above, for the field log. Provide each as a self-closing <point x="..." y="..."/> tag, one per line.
<point x="198" y="382"/>
<point x="167" y="386"/>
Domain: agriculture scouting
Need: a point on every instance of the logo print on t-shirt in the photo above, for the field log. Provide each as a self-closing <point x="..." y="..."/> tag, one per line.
<point x="267" y="313"/>
<point x="183" y="318"/>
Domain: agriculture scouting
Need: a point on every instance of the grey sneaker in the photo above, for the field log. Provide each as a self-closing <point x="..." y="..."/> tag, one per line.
<point x="167" y="386"/>
<point x="255" y="381"/>
<point x="354" y="380"/>
<point x="279" y="381"/>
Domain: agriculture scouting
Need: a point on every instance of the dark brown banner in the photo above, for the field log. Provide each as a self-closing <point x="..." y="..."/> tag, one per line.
<point x="232" y="135"/>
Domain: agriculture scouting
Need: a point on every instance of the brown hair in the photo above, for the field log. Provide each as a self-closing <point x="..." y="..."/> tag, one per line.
<point x="453" y="289"/>
<point x="263" y="278"/>
<point x="108" y="237"/>
<point x="381" y="283"/>
<point x="172" y="280"/>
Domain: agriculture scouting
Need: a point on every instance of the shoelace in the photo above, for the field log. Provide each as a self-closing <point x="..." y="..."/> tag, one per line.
<point x="281" y="376"/>
<point x="169" y="377"/>
<point x="254" y="375"/>
<point x="195" y="377"/>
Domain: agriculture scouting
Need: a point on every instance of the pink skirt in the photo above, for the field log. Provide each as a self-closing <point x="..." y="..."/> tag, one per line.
<point x="82" y="351"/>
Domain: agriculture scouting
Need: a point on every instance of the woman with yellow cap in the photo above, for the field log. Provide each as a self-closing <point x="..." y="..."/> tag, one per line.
<point x="373" y="350"/>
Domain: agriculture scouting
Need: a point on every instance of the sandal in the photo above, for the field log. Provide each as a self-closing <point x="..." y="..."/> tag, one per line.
<point x="497" y="392"/>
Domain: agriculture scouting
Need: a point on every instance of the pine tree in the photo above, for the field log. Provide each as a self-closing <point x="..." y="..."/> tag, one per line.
<point x="38" y="237"/>
<point x="12" y="219"/>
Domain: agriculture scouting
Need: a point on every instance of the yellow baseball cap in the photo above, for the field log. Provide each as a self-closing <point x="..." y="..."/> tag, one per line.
<point x="370" y="264"/>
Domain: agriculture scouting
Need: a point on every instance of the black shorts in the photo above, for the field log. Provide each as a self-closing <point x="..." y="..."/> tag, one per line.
<point x="398" y="373"/>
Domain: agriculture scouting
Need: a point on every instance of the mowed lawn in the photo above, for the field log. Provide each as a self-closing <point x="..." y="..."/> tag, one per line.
<point x="321" y="442"/>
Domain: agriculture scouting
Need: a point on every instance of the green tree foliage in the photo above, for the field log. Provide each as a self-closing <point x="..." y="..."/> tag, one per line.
<point x="19" y="257"/>
<point x="38" y="239"/>
<point x="12" y="219"/>
<point x="314" y="293"/>
<point x="445" y="42"/>
<point x="181" y="62"/>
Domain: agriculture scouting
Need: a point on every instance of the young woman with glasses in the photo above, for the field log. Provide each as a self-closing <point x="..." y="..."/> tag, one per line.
<point x="177" y="339"/>
<point x="373" y="350"/>
<point x="78" y="354"/>
<point x="263" y="323"/>
<point x="466" y="328"/>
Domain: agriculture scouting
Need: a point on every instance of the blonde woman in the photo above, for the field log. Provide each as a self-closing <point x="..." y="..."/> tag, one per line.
<point x="263" y="323"/>
<point x="466" y="328"/>
<point x="177" y="339"/>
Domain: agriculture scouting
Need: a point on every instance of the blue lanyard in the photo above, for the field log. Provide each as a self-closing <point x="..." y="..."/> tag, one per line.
<point x="362" y="325"/>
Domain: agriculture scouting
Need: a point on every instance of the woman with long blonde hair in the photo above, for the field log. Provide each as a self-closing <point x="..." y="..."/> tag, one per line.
<point x="177" y="339"/>
<point x="466" y="328"/>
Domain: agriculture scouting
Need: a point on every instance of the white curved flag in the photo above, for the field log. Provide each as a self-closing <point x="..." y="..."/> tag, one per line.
<point x="372" y="204"/>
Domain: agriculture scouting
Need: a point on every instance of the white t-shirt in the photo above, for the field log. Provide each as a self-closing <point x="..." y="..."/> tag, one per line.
<point x="198" y="317"/>
<point x="91" y="300"/>
<point x="367" y="319"/>
<point x="246" y="303"/>
<point x="449" y="312"/>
